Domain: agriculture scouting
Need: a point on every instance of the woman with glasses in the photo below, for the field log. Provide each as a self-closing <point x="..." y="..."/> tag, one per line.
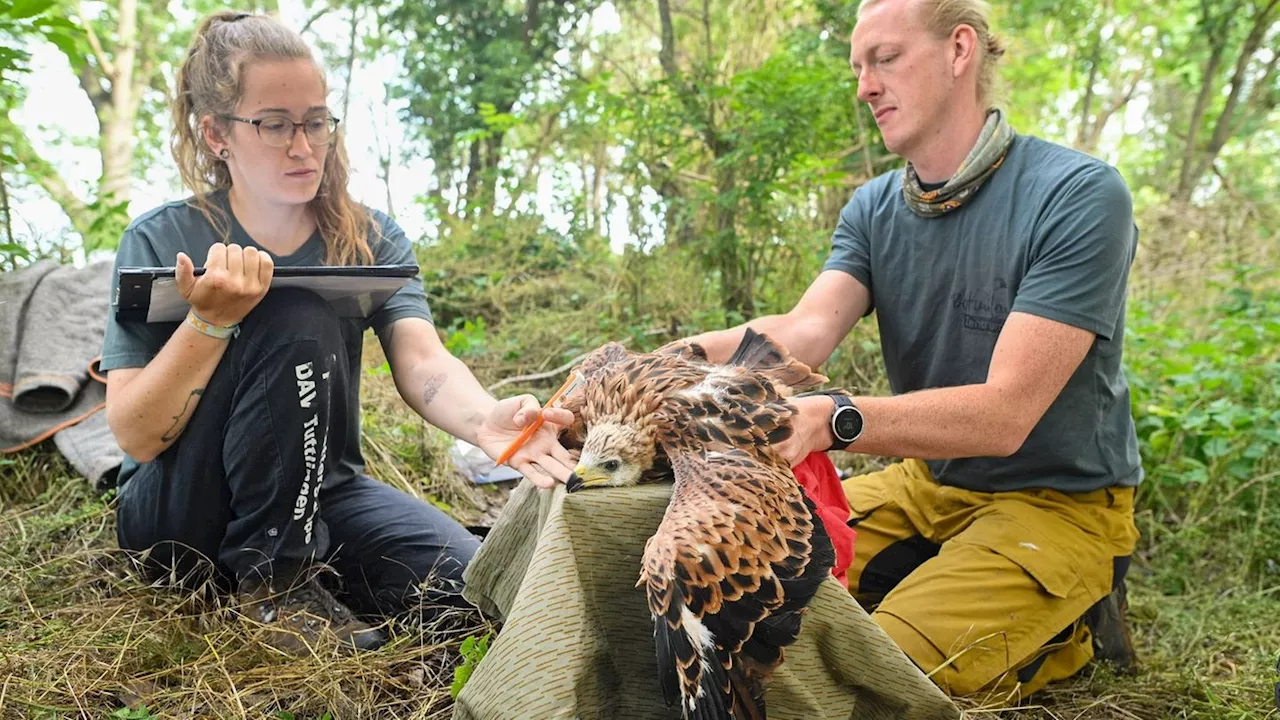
<point x="242" y="423"/>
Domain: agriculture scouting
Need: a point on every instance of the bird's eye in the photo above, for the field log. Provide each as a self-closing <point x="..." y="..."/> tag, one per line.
<point x="610" y="466"/>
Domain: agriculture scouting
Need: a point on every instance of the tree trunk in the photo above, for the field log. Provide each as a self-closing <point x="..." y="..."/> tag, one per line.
<point x="47" y="177"/>
<point x="384" y="156"/>
<point x="351" y="61"/>
<point x="1086" y="106"/>
<point x="1223" y="127"/>
<point x="1217" y="31"/>
<point x="674" y="231"/>
<point x="667" y="52"/>
<point x="114" y="85"/>
<point x="735" y="285"/>
<point x="1118" y="100"/>
<point x="475" y="168"/>
<point x="4" y="209"/>
<point x="119" y="120"/>
<point x="492" y="158"/>
<point x="1183" y="190"/>
<point x="600" y="166"/>
<point x="530" y="22"/>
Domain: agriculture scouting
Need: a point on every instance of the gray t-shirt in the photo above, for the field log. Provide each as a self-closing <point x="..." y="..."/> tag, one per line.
<point x="1051" y="234"/>
<point x="154" y="239"/>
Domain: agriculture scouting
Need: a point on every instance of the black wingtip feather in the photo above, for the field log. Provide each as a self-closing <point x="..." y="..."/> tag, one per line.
<point x="668" y="677"/>
<point x="755" y="350"/>
<point x="760" y="353"/>
<point x="714" y="702"/>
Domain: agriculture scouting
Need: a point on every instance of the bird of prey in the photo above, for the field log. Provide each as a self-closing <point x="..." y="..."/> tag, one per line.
<point x="740" y="550"/>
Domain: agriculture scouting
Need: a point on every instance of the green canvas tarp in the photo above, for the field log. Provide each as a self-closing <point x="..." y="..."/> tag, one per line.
<point x="577" y="641"/>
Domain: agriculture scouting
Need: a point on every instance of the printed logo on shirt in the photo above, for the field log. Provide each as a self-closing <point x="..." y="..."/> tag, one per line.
<point x="984" y="310"/>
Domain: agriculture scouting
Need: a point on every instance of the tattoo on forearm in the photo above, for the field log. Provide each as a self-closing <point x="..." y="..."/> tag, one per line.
<point x="179" y="420"/>
<point x="432" y="387"/>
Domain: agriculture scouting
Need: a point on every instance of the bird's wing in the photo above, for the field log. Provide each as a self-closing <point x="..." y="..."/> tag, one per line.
<point x="760" y="353"/>
<point x="726" y="408"/>
<point x="737" y="555"/>
<point x="684" y="349"/>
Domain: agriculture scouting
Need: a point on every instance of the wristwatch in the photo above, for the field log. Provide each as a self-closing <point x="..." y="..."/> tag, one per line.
<point x="846" y="422"/>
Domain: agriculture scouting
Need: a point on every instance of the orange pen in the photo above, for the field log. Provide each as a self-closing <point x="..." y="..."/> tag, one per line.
<point x="528" y="432"/>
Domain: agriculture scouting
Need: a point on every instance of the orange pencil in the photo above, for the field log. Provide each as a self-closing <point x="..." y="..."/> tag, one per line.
<point x="528" y="432"/>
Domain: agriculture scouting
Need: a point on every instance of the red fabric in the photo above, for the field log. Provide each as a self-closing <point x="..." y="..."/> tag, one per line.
<point x="818" y="477"/>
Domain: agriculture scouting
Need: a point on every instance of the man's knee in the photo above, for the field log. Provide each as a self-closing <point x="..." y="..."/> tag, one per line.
<point x="964" y="672"/>
<point x="979" y="666"/>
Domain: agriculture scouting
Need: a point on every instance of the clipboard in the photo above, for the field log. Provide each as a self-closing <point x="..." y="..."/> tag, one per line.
<point x="150" y="294"/>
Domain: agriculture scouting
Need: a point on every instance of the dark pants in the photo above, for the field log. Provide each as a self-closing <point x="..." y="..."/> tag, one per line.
<point x="244" y="485"/>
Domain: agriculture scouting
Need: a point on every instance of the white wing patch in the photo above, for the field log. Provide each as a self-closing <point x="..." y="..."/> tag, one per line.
<point x="696" y="631"/>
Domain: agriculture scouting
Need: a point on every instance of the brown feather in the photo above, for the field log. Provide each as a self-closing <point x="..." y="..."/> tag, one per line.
<point x="739" y="551"/>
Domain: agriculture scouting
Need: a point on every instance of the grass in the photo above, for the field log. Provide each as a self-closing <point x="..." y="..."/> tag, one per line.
<point x="81" y="635"/>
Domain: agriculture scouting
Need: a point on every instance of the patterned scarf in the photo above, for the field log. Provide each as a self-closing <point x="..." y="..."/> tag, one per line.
<point x="986" y="157"/>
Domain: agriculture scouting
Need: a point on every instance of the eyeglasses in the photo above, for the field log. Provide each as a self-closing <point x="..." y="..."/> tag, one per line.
<point x="278" y="131"/>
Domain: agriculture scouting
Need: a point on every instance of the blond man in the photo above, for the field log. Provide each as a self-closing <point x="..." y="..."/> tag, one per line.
<point x="997" y="264"/>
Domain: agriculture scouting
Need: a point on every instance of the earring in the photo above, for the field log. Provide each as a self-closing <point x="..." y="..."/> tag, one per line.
<point x="224" y="153"/>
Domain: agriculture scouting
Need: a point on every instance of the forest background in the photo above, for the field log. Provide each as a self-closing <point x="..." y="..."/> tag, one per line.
<point x="578" y="172"/>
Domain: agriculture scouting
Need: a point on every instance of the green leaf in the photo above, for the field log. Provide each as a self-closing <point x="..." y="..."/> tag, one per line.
<point x="1255" y="450"/>
<point x="68" y="41"/>
<point x="1217" y="447"/>
<point x="473" y="651"/>
<point x="1203" y="349"/>
<point x="29" y="8"/>
<point x="1240" y="469"/>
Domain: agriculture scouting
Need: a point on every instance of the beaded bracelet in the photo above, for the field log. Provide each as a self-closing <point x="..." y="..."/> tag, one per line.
<point x="222" y="332"/>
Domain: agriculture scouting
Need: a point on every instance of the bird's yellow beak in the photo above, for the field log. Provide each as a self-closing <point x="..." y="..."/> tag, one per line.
<point x="585" y="477"/>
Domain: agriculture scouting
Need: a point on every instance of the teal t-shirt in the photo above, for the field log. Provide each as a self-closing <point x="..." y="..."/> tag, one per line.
<point x="154" y="240"/>
<point x="1051" y="234"/>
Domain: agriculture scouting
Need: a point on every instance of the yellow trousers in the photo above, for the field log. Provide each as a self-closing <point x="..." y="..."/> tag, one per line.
<point x="985" y="591"/>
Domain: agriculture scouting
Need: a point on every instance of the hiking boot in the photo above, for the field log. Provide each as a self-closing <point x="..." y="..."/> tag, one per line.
<point x="305" y="616"/>
<point x="1111" y="639"/>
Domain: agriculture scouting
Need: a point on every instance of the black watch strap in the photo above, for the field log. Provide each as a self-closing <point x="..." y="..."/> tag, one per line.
<point x="852" y="425"/>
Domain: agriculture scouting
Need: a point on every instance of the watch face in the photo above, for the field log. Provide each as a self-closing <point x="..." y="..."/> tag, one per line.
<point x="848" y="424"/>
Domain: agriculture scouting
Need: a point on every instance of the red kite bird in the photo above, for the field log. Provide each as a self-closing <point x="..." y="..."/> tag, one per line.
<point x="740" y="550"/>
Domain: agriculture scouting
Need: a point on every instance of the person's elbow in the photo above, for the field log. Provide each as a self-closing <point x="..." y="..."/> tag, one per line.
<point x="1009" y="436"/>
<point x="1007" y="443"/>
<point x="811" y="340"/>
<point x="128" y="438"/>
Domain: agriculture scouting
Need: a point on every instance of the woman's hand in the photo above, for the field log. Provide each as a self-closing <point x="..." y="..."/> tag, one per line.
<point x="235" y="280"/>
<point x="542" y="459"/>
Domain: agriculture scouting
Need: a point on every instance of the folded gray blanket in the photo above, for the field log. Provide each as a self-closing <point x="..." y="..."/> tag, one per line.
<point x="52" y="318"/>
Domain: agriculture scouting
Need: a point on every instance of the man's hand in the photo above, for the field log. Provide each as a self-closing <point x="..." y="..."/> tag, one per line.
<point x="542" y="459"/>
<point x="812" y="428"/>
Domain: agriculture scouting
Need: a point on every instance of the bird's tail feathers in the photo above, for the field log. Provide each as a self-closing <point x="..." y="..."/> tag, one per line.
<point x="696" y="677"/>
<point x="747" y="694"/>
